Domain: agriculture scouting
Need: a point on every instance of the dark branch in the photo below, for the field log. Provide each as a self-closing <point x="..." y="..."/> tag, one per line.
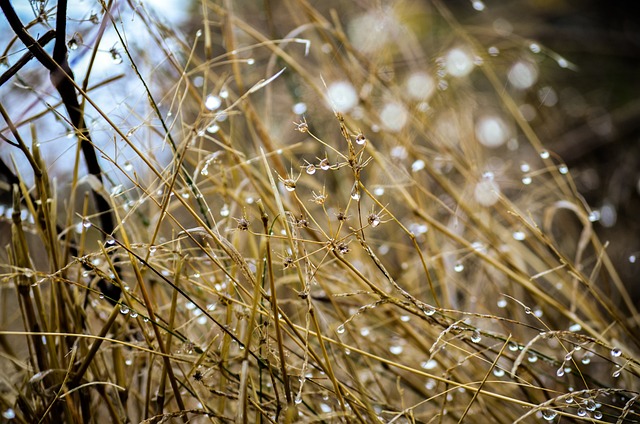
<point x="61" y="77"/>
<point x="43" y="41"/>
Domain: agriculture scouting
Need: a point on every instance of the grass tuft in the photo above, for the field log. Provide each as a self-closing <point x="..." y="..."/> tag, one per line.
<point x="320" y="215"/>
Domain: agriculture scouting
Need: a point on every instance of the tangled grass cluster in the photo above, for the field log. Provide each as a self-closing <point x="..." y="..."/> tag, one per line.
<point x="352" y="221"/>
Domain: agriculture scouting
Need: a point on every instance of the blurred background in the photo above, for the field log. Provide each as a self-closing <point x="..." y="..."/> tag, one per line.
<point x="587" y="112"/>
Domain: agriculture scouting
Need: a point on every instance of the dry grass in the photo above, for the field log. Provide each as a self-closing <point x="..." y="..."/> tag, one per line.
<point x="323" y="266"/>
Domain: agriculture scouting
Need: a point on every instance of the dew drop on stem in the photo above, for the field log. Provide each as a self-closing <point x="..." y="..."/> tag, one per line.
<point x="429" y="310"/>
<point x="355" y="192"/>
<point x="311" y="169"/>
<point x="116" y="57"/>
<point x="549" y="414"/>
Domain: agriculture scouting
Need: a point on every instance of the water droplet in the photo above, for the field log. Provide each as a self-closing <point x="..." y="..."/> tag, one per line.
<point x="535" y="47"/>
<point x="560" y="371"/>
<point x="251" y="61"/>
<point x="458" y="267"/>
<point x="476" y="337"/>
<point x="133" y="314"/>
<point x="396" y="349"/>
<point x="72" y="44"/>
<point x="594" y="216"/>
<point x="405" y="318"/>
<point x="342" y="96"/>
<point x="563" y="169"/>
<point x="493" y="51"/>
<point x="487" y="193"/>
<point x="324" y="164"/>
<point x="361" y="139"/>
<point x="394" y="116"/>
<point x="513" y="347"/>
<point x="526" y="180"/>
<point x="519" y="235"/>
<point x="365" y="331"/>
<point x="340" y="329"/>
<point x="225" y="210"/>
<point x="420" y="86"/>
<point x="417" y="165"/>
<point x="575" y="328"/>
<point x="458" y="63"/>
<point x="355" y="193"/>
<point x="116" y="57"/>
<point x="616" y="352"/>
<point x="498" y="372"/>
<point x="523" y="75"/>
<point x="86" y="223"/>
<point x="213" y="128"/>
<point x="549" y="414"/>
<point x="299" y="108"/>
<point x="525" y="167"/>
<point x="124" y="309"/>
<point x="212" y="102"/>
<point x="581" y="412"/>
<point x="562" y="62"/>
<point x="311" y="169"/>
<point x="116" y="190"/>
<point x="297" y="400"/>
<point x="478" y="5"/>
<point x="289" y="184"/>
<point x="532" y="357"/>
<point x="597" y="415"/>
<point x="374" y="220"/>
<point x="9" y="414"/>
<point x="590" y="404"/>
<point x="205" y="171"/>
<point x="429" y="365"/>
<point x="544" y="154"/>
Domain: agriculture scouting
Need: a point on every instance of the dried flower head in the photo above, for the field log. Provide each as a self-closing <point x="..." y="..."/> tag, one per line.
<point x="302" y="126"/>
<point x="289" y="182"/>
<point x="343" y="248"/>
<point x="288" y="262"/>
<point x="302" y="222"/>
<point x="319" y="198"/>
<point x="243" y="224"/>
